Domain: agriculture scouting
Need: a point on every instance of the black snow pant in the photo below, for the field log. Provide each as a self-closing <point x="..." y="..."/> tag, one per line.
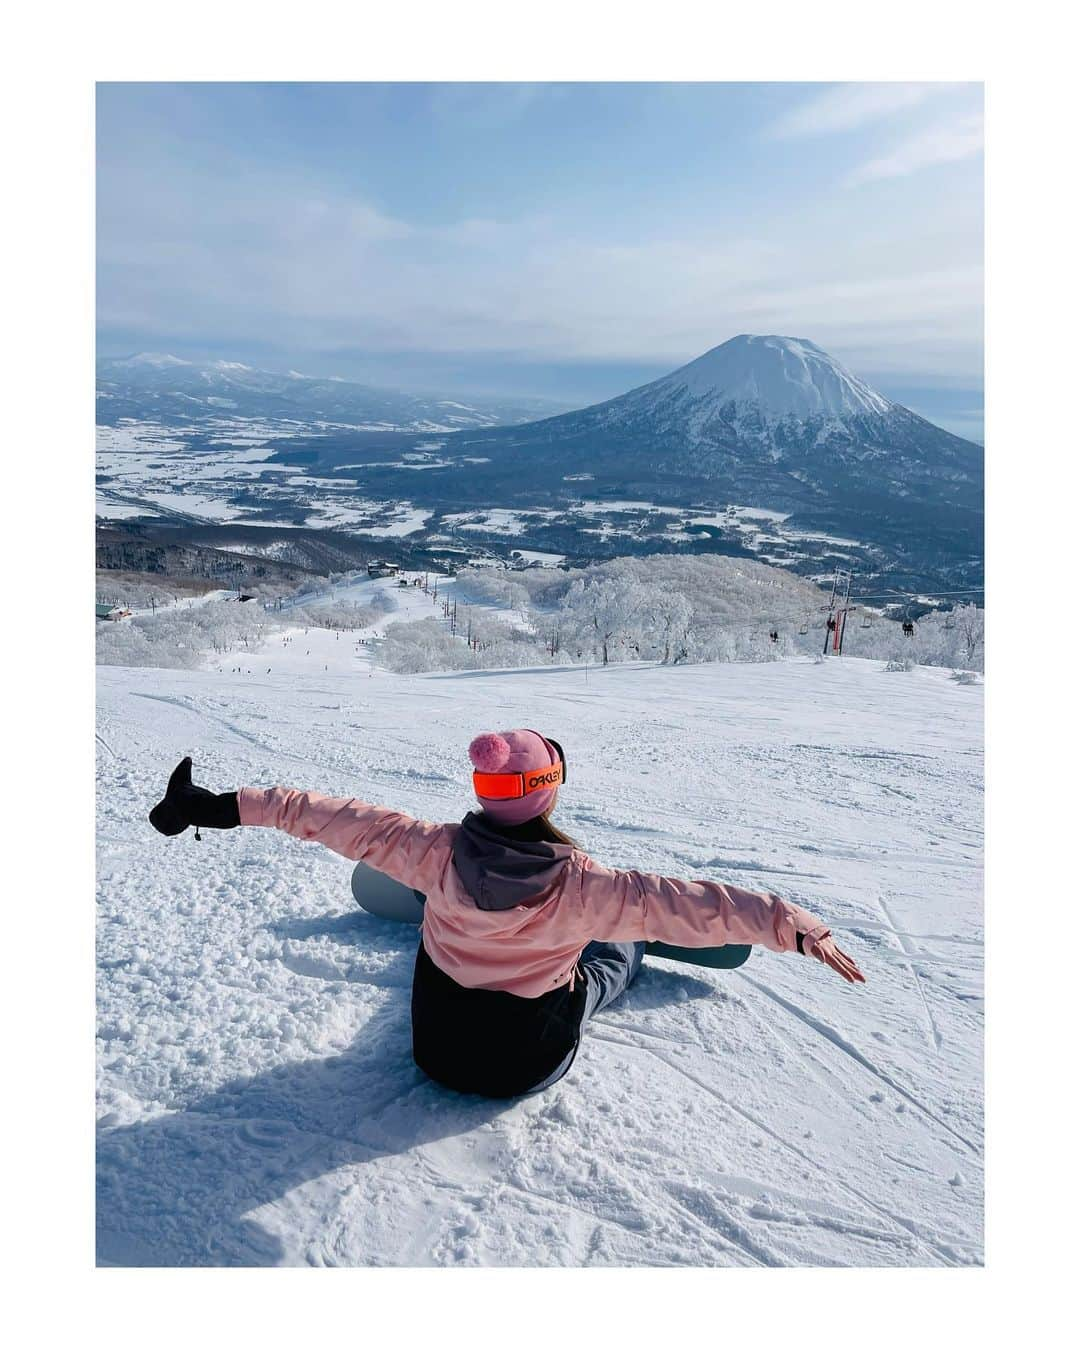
<point x="609" y="969"/>
<point x="502" y="1045"/>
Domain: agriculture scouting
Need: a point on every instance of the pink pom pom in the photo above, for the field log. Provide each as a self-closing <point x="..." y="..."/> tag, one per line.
<point x="489" y="752"/>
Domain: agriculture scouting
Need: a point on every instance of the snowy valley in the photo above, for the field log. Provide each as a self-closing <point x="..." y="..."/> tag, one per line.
<point x="764" y="447"/>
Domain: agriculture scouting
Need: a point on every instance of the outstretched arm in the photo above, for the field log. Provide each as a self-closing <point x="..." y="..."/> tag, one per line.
<point x="405" y="849"/>
<point x="414" y="852"/>
<point x="638" y="906"/>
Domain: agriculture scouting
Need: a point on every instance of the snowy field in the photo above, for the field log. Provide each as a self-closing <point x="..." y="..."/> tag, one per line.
<point x="257" y="1100"/>
<point x="150" y="469"/>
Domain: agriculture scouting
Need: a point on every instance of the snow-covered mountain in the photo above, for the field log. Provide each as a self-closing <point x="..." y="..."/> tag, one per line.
<point x="161" y="386"/>
<point x="770" y="421"/>
<point x="774" y="421"/>
<point x="772" y="377"/>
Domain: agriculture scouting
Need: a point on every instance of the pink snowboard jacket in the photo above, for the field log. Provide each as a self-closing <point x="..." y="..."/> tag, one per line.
<point x="532" y="947"/>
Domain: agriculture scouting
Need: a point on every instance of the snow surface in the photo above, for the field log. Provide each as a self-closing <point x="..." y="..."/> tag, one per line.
<point x="219" y="596"/>
<point x="150" y="473"/>
<point x="257" y="1100"/>
<point x="541" y="556"/>
<point x="108" y="509"/>
<point x="305" y="650"/>
<point x="156" y="360"/>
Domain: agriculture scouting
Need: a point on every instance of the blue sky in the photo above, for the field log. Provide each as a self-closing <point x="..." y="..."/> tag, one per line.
<point x="561" y="240"/>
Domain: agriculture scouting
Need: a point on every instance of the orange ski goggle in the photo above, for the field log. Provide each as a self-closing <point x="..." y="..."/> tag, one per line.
<point x="507" y="786"/>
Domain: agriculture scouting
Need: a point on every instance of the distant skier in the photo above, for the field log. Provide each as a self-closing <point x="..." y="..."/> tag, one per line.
<point x="524" y="937"/>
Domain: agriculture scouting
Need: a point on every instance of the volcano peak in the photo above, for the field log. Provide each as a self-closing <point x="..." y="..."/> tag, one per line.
<point x="780" y="376"/>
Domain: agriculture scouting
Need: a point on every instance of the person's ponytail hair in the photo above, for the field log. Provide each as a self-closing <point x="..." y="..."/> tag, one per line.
<point x="536" y="830"/>
<point x="552" y="834"/>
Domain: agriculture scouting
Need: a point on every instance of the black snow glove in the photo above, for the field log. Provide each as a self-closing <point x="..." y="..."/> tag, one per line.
<point x="185" y="804"/>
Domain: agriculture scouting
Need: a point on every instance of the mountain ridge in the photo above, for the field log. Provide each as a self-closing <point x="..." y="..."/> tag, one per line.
<point x="157" y="385"/>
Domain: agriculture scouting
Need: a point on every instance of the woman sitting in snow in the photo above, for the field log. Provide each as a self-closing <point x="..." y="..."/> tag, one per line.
<point x="524" y="936"/>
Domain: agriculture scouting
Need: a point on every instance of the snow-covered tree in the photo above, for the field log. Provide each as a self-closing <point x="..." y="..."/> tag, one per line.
<point x="181" y="638"/>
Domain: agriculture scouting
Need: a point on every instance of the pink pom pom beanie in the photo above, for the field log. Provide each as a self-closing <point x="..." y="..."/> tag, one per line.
<point x="518" y="751"/>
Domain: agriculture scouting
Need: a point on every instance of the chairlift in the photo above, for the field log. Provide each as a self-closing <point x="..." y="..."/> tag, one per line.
<point x="867" y="620"/>
<point x="804" y="627"/>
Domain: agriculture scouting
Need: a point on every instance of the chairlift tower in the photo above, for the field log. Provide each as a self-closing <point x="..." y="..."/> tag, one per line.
<point x="839" y="603"/>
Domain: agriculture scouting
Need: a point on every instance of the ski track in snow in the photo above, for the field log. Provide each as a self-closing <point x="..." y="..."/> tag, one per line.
<point x="761" y="1125"/>
<point x="905" y="943"/>
<point x="257" y="1101"/>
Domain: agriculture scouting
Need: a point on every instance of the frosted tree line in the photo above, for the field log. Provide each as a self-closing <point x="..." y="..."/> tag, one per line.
<point x="707" y="608"/>
<point x="180" y="638"/>
<point x="667" y="609"/>
<point x="428" y="644"/>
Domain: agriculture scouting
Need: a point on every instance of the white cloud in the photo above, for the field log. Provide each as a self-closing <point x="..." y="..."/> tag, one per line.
<point x="942" y="144"/>
<point x="205" y="257"/>
<point x="529" y="289"/>
<point x="845" y="107"/>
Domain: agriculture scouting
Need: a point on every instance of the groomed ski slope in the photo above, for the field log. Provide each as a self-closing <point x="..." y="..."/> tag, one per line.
<point x="258" y="1104"/>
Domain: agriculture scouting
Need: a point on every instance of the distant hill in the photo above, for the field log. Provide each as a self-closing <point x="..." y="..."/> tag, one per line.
<point x="156" y="385"/>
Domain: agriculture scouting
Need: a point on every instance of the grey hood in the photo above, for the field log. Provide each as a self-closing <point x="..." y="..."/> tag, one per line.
<point x="500" y="872"/>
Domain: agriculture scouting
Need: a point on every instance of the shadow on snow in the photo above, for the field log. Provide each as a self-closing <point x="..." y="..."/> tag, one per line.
<point x="177" y="1190"/>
